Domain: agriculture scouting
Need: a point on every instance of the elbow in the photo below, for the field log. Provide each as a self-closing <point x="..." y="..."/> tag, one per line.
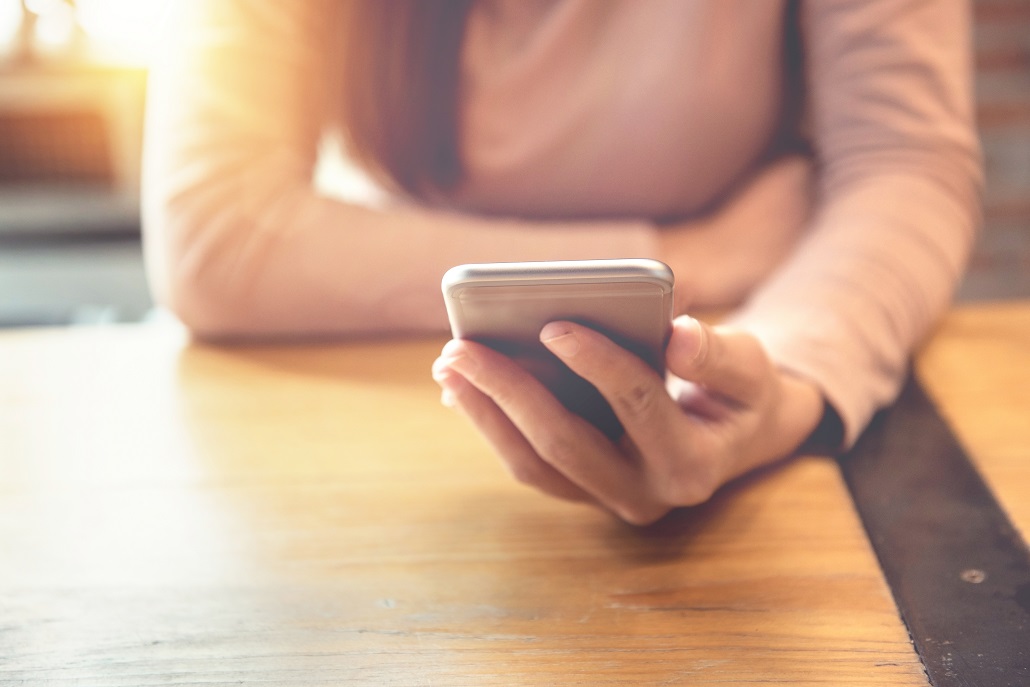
<point x="213" y="231"/>
<point x="220" y="277"/>
<point x="194" y="269"/>
<point x="208" y="312"/>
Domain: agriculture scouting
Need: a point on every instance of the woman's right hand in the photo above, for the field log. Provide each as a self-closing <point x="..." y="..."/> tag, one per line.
<point x="732" y="410"/>
<point x="719" y="258"/>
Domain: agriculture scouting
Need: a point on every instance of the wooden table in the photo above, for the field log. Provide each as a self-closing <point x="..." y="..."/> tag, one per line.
<point x="173" y="513"/>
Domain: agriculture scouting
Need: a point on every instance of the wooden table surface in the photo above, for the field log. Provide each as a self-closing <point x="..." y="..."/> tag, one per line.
<point x="173" y="513"/>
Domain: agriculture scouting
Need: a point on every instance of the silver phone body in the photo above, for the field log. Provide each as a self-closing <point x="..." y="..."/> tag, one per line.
<point x="505" y="305"/>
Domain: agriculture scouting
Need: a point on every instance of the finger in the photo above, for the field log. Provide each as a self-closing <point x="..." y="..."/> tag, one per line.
<point x="634" y="390"/>
<point x="565" y="441"/>
<point x="518" y="456"/>
<point x="676" y="458"/>
<point x="727" y="362"/>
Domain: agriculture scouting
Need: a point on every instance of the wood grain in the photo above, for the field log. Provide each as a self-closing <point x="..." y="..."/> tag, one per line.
<point x="173" y="513"/>
<point x="977" y="368"/>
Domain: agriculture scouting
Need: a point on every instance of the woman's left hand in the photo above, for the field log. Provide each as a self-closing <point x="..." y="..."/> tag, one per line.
<point x="725" y="410"/>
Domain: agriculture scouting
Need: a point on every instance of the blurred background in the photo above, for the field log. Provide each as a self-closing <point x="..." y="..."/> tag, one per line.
<point x="72" y="83"/>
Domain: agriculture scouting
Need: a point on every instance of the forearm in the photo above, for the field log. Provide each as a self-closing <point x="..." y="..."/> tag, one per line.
<point x="877" y="271"/>
<point x="238" y="241"/>
<point x="897" y="199"/>
<point x="300" y="264"/>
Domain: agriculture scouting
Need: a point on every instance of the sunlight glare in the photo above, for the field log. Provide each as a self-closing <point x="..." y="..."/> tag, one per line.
<point x="55" y="25"/>
<point x="10" y="23"/>
<point x="122" y="31"/>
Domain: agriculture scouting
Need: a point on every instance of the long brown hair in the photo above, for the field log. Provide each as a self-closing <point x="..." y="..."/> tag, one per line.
<point x="400" y="91"/>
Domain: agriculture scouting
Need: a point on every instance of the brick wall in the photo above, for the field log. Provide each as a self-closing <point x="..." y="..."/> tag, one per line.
<point x="1001" y="264"/>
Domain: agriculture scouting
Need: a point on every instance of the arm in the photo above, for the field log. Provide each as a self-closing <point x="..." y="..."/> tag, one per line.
<point x="238" y="241"/>
<point x="897" y="199"/>
<point x="895" y="215"/>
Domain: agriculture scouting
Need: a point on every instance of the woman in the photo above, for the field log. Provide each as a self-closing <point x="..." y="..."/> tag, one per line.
<point x="813" y="166"/>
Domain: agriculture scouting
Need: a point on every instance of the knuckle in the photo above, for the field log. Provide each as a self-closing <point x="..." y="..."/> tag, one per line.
<point x="751" y="351"/>
<point x="638" y="401"/>
<point x="642" y="508"/>
<point x="558" y="449"/>
<point x="698" y="489"/>
<point x="503" y="394"/>
<point x="687" y="483"/>
<point x="697" y="492"/>
<point x="744" y="348"/>
<point x="642" y="514"/>
<point x="524" y="472"/>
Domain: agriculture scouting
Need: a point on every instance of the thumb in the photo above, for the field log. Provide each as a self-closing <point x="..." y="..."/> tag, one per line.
<point x="726" y="361"/>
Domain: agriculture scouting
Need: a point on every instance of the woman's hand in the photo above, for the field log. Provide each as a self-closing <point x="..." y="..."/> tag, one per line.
<point x="727" y="410"/>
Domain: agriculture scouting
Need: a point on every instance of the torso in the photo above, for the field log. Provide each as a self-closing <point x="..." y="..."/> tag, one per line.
<point x="580" y="108"/>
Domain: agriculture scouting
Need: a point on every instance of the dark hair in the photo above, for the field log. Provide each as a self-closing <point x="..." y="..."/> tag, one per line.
<point x="400" y="92"/>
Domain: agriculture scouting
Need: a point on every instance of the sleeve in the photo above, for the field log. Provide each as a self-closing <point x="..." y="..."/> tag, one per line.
<point x="239" y="242"/>
<point x="889" y="89"/>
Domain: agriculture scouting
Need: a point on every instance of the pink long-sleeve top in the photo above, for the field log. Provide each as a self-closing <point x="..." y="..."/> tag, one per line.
<point x="584" y="123"/>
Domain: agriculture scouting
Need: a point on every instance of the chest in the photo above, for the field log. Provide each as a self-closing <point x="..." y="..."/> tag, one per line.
<point x="614" y="108"/>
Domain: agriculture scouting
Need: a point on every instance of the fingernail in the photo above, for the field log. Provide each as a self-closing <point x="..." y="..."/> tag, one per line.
<point x="560" y="340"/>
<point x="688" y="338"/>
<point x="448" y="398"/>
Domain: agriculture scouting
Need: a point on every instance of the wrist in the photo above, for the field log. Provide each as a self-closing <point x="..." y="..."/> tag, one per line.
<point x="828" y="436"/>
<point x="793" y="414"/>
<point x="803" y="412"/>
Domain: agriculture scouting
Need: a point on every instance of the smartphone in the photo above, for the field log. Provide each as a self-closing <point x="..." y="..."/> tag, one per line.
<point x="505" y="305"/>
